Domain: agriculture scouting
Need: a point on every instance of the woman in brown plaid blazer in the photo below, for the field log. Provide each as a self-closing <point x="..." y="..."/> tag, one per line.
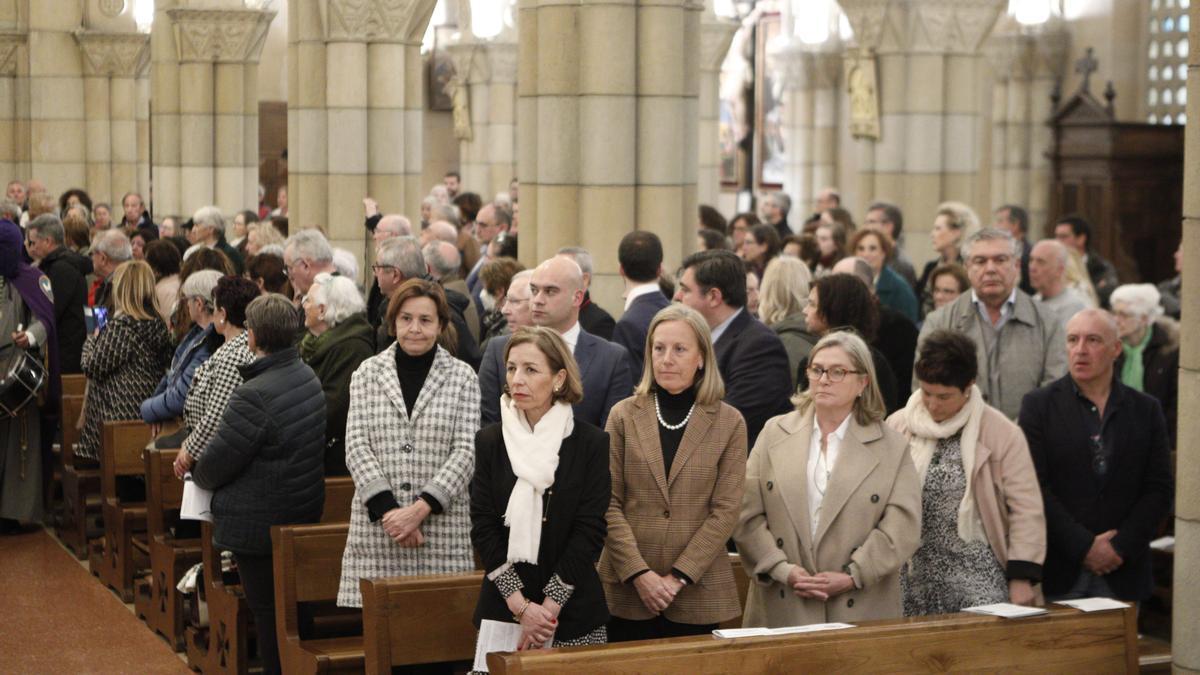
<point x="678" y="463"/>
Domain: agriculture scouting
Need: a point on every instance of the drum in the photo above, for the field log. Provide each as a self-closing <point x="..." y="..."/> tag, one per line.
<point x="21" y="377"/>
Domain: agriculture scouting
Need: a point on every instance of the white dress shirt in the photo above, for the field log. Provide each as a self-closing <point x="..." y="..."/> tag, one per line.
<point x="820" y="469"/>
<point x="719" y="330"/>
<point x="640" y="290"/>
<point x="572" y="336"/>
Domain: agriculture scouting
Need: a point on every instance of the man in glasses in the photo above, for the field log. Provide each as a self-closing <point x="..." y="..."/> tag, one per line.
<point x="1101" y="450"/>
<point x="1019" y="344"/>
<point x="305" y="255"/>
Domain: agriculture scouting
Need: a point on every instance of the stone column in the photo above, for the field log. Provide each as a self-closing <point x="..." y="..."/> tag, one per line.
<point x="206" y="106"/>
<point x="1049" y="58"/>
<point x="929" y="64"/>
<point x="487" y="158"/>
<point x="14" y="105"/>
<point x="607" y="117"/>
<point x="812" y="89"/>
<point x="355" y="79"/>
<point x="715" y="37"/>
<point x="114" y="67"/>
<point x="56" y="128"/>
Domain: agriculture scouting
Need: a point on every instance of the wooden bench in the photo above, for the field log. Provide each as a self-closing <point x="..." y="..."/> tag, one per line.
<point x="419" y="620"/>
<point x="223" y="646"/>
<point x="124" y="549"/>
<point x="80" y="513"/>
<point x="308" y="571"/>
<point x="1064" y="640"/>
<point x="156" y="600"/>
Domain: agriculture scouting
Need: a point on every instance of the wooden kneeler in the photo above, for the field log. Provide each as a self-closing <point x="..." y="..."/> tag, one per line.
<point x="123" y="551"/>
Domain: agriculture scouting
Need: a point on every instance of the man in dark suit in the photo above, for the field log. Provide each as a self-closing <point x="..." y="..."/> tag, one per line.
<point x="750" y="356"/>
<point x="1101" y="453"/>
<point x="65" y="269"/>
<point x="556" y="293"/>
<point x="592" y="317"/>
<point x="640" y="255"/>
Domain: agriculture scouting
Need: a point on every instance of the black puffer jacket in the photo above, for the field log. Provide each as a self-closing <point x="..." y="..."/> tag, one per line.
<point x="266" y="461"/>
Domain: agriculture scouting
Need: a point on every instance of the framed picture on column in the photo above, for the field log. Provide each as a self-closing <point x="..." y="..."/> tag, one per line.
<point x="770" y="152"/>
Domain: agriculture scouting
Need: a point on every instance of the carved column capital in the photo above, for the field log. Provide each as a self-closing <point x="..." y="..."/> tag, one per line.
<point x="220" y="35"/>
<point x="948" y="26"/>
<point x="484" y="62"/>
<point x="402" y="21"/>
<point x="1010" y="56"/>
<point x="869" y="20"/>
<point x="10" y="44"/>
<point x="802" y="67"/>
<point x="715" y="37"/>
<point x="114" y="54"/>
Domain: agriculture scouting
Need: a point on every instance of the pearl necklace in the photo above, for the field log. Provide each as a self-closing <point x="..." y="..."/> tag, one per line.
<point x="672" y="427"/>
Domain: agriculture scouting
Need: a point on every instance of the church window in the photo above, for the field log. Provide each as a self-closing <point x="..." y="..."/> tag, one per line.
<point x="1165" y="68"/>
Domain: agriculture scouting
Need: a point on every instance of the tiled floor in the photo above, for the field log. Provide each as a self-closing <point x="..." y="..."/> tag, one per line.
<point x="55" y="617"/>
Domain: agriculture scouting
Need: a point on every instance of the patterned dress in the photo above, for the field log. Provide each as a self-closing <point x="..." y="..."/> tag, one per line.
<point x="946" y="573"/>
<point x="212" y="385"/>
<point x="123" y="365"/>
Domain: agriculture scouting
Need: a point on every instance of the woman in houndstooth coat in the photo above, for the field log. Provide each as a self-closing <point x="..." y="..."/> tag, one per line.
<point x="410" y="447"/>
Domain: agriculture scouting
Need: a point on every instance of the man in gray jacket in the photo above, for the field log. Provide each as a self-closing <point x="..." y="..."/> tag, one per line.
<point x="1019" y="344"/>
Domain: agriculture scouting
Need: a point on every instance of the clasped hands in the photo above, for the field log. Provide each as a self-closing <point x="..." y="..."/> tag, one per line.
<point x="1102" y="558"/>
<point x="538" y="621"/>
<point x="820" y="586"/>
<point x="657" y="591"/>
<point x="403" y="524"/>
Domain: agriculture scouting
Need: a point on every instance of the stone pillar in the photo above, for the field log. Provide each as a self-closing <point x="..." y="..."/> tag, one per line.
<point x="487" y="158"/>
<point x="14" y="105"/>
<point x="56" y="128"/>
<point x="1049" y="52"/>
<point x="929" y="64"/>
<point x="812" y="104"/>
<point x="715" y="37"/>
<point x="355" y="79"/>
<point x="114" y="67"/>
<point x="206" y="105"/>
<point x="607" y="117"/>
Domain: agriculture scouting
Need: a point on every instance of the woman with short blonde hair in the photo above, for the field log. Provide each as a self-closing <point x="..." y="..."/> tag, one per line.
<point x="782" y="298"/>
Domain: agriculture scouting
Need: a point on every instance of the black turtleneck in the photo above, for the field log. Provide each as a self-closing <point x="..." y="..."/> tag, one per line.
<point x="674" y="407"/>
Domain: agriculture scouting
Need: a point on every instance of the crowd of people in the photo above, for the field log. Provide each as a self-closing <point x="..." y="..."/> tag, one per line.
<point x="873" y="442"/>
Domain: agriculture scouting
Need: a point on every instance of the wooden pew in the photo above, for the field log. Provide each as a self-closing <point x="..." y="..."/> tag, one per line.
<point x="223" y="646"/>
<point x="419" y="620"/>
<point x="124" y="549"/>
<point x="79" y="518"/>
<point x="1064" y="640"/>
<point x="156" y="600"/>
<point x="308" y="571"/>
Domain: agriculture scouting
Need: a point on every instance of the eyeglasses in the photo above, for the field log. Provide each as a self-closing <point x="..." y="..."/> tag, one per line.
<point x="836" y="374"/>
<point x="377" y="268"/>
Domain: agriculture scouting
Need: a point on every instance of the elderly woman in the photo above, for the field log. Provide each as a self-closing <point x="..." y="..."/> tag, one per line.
<point x="414" y="411"/>
<point x="947" y="283"/>
<point x="215" y="379"/>
<point x="952" y="222"/>
<point x="538" y="499"/>
<point x="672" y="578"/>
<point x="263" y="463"/>
<point x="259" y="235"/>
<point x="760" y="247"/>
<point x="832" y="506"/>
<point x="1150" y="345"/>
<point x="495" y="277"/>
<point x="337" y="340"/>
<point x="125" y="359"/>
<point x="876" y="247"/>
<point x="983" y="529"/>
<point x="782" y="298"/>
<point x="197" y="345"/>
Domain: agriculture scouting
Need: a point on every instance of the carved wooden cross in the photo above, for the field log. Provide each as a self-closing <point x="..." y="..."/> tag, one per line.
<point x="1086" y="66"/>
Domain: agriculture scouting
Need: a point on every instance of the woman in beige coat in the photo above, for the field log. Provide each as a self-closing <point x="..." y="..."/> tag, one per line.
<point x="982" y="521"/>
<point x="832" y="507"/>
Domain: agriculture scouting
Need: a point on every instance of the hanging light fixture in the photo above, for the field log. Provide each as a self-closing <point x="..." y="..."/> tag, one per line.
<point x="1032" y="12"/>
<point x="487" y="18"/>
<point x="143" y="14"/>
<point x="815" y="21"/>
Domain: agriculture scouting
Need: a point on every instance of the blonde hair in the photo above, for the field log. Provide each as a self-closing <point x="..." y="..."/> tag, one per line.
<point x="784" y="289"/>
<point x="266" y="234"/>
<point x="711" y="388"/>
<point x="133" y="290"/>
<point x="1078" y="278"/>
<point x="962" y="218"/>
<point x="557" y="354"/>
<point x="868" y="407"/>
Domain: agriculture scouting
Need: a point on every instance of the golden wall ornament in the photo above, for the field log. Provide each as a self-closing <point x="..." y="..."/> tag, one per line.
<point x="862" y="85"/>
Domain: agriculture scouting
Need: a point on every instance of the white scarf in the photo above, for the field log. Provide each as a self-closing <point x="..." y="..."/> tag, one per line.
<point x="924" y="434"/>
<point x="533" y="453"/>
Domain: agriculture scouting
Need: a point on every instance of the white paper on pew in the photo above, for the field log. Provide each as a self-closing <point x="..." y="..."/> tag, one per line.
<point x="810" y="628"/>
<point x="1006" y="610"/>
<point x="1093" y="604"/>
<point x="1166" y="543"/>
<point x="197" y="502"/>
<point x="741" y="632"/>
<point x="497" y="636"/>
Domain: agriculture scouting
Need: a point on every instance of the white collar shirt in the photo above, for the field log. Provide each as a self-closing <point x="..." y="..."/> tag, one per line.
<point x="719" y="330"/>
<point x="571" y="336"/>
<point x="1006" y="310"/>
<point x="640" y="290"/>
<point x="820" y="469"/>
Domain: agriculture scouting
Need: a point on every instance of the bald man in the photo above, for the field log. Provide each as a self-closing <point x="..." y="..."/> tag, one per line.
<point x="382" y="228"/>
<point x="1048" y="276"/>
<point x="439" y="230"/>
<point x="556" y="293"/>
<point x="1102" y="455"/>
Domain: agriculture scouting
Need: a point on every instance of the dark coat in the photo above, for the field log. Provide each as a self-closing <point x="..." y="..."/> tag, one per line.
<point x="194" y="349"/>
<point x="1133" y="498"/>
<point x="1160" y="366"/>
<point x="466" y="348"/>
<point x="70" y="296"/>
<point x="573" y="529"/>
<point x="630" y="331"/>
<point x="893" y="291"/>
<point x="603" y="368"/>
<point x="752" y="362"/>
<point x="595" y="320"/>
<point x="1103" y="275"/>
<point x="235" y="256"/>
<point x="265" y="462"/>
<point x="335" y="359"/>
<point x="897" y="341"/>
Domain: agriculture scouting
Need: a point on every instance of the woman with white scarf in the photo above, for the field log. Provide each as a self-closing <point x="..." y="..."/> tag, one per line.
<point x="983" y="529"/>
<point x="538" y="500"/>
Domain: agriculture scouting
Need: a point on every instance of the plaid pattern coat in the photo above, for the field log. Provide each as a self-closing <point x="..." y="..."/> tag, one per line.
<point x="212" y="385"/>
<point x="433" y="452"/>
<point x="681" y="521"/>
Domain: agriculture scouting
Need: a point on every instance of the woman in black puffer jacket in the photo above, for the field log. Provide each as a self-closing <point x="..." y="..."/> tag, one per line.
<point x="266" y="462"/>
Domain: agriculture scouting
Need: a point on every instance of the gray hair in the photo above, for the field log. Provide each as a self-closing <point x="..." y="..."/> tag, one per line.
<point x="442" y="257"/>
<point x="271" y="249"/>
<point x="403" y="253"/>
<point x="200" y="284"/>
<point x="114" y="244"/>
<point x="48" y="226"/>
<point x="403" y="226"/>
<point x="443" y="230"/>
<point x="581" y="257"/>
<point x="784" y="201"/>
<point x="274" y="321"/>
<point x="991" y="234"/>
<point x="522" y="277"/>
<point x="1141" y="299"/>
<point x="1060" y="252"/>
<point x="310" y="245"/>
<point x="859" y="268"/>
<point x="339" y="295"/>
<point x="209" y="216"/>
<point x="10" y="210"/>
<point x="448" y="213"/>
<point x="345" y="262"/>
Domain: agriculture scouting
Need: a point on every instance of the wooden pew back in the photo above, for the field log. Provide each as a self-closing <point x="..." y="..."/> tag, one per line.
<point x="418" y="620"/>
<point x="164" y="492"/>
<point x="1064" y="640"/>
<point x="121" y="447"/>
<point x="73" y="387"/>
<point x="339" y="495"/>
